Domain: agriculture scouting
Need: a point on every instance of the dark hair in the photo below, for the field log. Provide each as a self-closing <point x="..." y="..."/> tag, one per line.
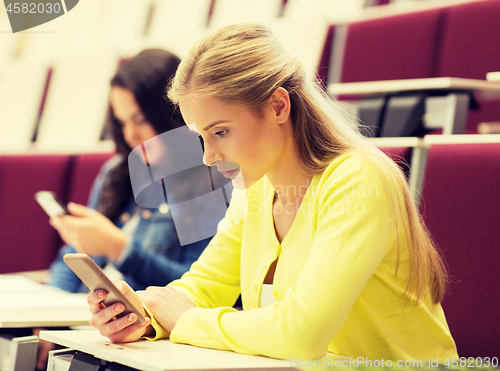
<point x="146" y="76"/>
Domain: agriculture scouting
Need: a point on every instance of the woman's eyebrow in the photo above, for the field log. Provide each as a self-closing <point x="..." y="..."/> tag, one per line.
<point x="215" y="123"/>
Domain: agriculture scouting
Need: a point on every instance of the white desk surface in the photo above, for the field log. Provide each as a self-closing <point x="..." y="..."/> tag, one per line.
<point x="493" y="76"/>
<point x="26" y="303"/>
<point x="486" y="89"/>
<point x="160" y="355"/>
<point x="395" y="141"/>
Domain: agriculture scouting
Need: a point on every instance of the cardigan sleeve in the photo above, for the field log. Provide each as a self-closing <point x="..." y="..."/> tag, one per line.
<point x="345" y="252"/>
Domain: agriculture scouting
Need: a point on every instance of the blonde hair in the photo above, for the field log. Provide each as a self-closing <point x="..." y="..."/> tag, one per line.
<point x="245" y="64"/>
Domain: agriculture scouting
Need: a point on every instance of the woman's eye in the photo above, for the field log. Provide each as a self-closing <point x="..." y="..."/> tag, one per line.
<point x="141" y="121"/>
<point x="221" y="133"/>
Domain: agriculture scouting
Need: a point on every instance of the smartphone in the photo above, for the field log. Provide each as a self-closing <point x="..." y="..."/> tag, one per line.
<point x="95" y="279"/>
<point x="50" y="203"/>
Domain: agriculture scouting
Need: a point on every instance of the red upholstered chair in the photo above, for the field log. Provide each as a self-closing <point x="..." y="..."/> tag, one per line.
<point x="27" y="241"/>
<point x="85" y="169"/>
<point x="324" y="62"/>
<point x="471" y="35"/>
<point x="397" y="47"/>
<point x="400" y="155"/>
<point x="461" y="203"/>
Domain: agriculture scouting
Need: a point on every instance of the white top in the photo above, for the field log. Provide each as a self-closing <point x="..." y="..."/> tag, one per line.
<point x="266" y="295"/>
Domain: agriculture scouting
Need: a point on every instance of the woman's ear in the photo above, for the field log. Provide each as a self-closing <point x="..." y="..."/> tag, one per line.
<point x="280" y="101"/>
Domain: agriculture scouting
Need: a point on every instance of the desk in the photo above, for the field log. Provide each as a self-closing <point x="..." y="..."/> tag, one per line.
<point x="448" y="97"/>
<point x="486" y="89"/>
<point x="160" y="355"/>
<point x="25" y="303"/>
<point x="493" y="76"/>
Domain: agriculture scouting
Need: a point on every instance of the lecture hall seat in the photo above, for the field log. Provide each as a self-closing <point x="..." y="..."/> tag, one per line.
<point x="396" y="47"/>
<point x="27" y="241"/>
<point x="401" y="156"/>
<point x="403" y="46"/>
<point x="325" y="60"/>
<point x="461" y="203"/>
<point x="84" y="170"/>
<point x="471" y="35"/>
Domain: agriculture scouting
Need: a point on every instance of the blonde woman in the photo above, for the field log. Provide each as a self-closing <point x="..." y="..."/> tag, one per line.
<point x="322" y="238"/>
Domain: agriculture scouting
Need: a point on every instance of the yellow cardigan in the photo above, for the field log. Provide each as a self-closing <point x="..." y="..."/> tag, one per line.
<point x="335" y="285"/>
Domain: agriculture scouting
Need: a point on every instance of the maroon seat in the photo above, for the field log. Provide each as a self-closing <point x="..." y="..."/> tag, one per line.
<point x="400" y="155"/>
<point x="470" y="50"/>
<point x="397" y="47"/>
<point x="324" y="62"/>
<point x="27" y="241"/>
<point x="461" y="203"/>
<point x="85" y="169"/>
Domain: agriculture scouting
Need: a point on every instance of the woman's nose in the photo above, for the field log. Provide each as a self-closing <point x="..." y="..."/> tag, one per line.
<point x="130" y="134"/>
<point x="210" y="157"/>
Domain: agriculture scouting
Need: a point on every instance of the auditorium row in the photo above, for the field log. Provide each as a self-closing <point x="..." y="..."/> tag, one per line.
<point x="459" y="203"/>
<point x="55" y="98"/>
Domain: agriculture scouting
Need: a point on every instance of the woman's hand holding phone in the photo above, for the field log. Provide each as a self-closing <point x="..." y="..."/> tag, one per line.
<point x="118" y="330"/>
<point x="166" y="304"/>
<point x="90" y="232"/>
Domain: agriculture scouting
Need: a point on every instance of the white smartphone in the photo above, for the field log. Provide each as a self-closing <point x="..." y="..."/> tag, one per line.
<point x="95" y="279"/>
<point x="50" y="203"/>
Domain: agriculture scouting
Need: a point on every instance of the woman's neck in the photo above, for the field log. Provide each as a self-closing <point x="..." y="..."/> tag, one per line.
<point x="288" y="179"/>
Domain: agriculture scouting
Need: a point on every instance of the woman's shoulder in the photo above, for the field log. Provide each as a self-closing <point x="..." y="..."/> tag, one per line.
<point x="356" y="167"/>
<point x="349" y="162"/>
<point x="104" y="171"/>
<point x="111" y="163"/>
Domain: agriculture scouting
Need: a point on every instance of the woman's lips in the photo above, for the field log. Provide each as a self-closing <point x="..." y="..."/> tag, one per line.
<point x="231" y="173"/>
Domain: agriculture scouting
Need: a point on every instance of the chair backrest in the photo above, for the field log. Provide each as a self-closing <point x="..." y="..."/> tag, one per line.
<point x="183" y="21"/>
<point x="27" y="241"/>
<point x="325" y="59"/>
<point x="396" y="47"/>
<point x="470" y="50"/>
<point x="401" y="156"/>
<point x="84" y="170"/>
<point x="461" y="203"/>
<point x="227" y="12"/>
<point x="304" y="38"/>
<point x="21" y="90"/>
<point x="77" y="102"/>
<point x="333" y="10"/>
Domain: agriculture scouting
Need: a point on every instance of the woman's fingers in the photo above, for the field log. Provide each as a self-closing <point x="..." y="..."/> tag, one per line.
<point x="123" y="330"/>
<point x="109" y="321"/>
<point x="106" y="315"/>
<point x="95" y="300"/>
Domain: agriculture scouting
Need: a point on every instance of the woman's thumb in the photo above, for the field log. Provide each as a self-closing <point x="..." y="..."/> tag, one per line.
<point x="78" y="210"/>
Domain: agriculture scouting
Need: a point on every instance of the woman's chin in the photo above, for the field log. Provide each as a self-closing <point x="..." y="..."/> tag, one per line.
<point x="239" y="182"/>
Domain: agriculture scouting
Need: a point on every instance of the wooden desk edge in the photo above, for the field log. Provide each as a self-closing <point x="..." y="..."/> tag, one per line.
<point x="40" y="276"/>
